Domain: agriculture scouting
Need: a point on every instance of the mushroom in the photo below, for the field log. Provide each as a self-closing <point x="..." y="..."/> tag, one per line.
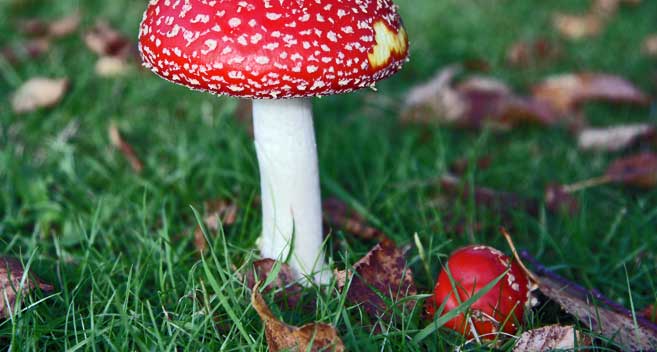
<point x="278" y="53"/>
<point x="499" y="310"/>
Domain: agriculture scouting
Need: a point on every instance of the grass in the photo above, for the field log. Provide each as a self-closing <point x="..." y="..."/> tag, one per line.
<point x="117" y="245"/>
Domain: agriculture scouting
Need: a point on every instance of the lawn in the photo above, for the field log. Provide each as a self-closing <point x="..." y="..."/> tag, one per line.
<point x="118" y="246"/>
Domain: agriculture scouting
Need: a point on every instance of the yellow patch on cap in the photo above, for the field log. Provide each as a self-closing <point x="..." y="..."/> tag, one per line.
<point x="387" y="43"/>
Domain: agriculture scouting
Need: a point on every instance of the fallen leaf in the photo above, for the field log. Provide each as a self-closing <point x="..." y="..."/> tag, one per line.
<point x="435" y="99"/>
<point x="615" y="138"/>
<point x="549" y="338"/>
<point x="577" y="27"/>
<point x="65" y="25"/>
<point x="532" y="53"/>
<point x="650" y="46"/>
<point x="596" y="311"/>
<point x="650" y="313"/>
<point x="337" y="213"/>
<point x="460" y="166"/>
<point x="218" y="211"/>
<point x="283" y="337"/>
<point x="504" y="203"/>
<point x="110" y="66"/>
<point x="588" y="24"/>
<point x="38" y="93"/>
<point x="637" y="170"/>
<point x="476" y="64"/>
<point x="33" y="27"/>
<point x="58" y="28"/>
<point x="382" y="272"/>
<point x="11" y="274"/>
<point x="558" y="199"/>
<point x="475" y="102"/>
<point x="22" y="51"/>
<point x="566" y="92"/>
<point x="104" y="40"/>
<point x="287" y="289"/>
<point x="126" y="149"/>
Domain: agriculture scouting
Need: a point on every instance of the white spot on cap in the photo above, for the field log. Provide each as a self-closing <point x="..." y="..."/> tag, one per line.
<point x="234" y="22"/>
<point x="273" y="16"/>
<point x="262" y="60"/>
<point x="211" y="44"/>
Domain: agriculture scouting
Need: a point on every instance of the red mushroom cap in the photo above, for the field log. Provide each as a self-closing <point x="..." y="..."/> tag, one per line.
<point x="273" y="48"/>
<point x="501" y="308"/>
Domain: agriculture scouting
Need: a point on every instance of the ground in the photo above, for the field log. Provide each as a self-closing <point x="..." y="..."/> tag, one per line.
<point x="117" y="245"/>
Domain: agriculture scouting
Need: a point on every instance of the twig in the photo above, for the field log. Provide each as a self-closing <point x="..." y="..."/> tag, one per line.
<point x="509" y="240"/>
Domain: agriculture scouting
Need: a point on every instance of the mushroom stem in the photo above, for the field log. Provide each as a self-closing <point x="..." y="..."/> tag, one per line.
<point x="289" y="181"/>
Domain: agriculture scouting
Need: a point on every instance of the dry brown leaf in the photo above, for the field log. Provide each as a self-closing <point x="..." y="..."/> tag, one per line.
<point x="30" y="49"/>
<point x="110" y="66"/>
<point x="284" y="337"/>
<point x="557" y="199"/>
<point x="615" y="138"/>
<point x="473" y="103"/>
<point x="382" y="272"/>
<point x="650" y="46"/>
<point x="126" y="149"/>
<point x="460" y="166"/>
<point x="503" y="202"/>
<point x="650" y="313"/>
<point x="65" y="25"/>
<point x="591" y="23"/>
<point x="435" y="99"/>
<point x="58" y="28"/>
<point x="38" y="92"/>
<point x="564" y="93"/>
<point x="288" y="290"/>
<point x="11" y="274"/>
<point x="218" y="211"/>
<point x="337" y="213"/>
<point x="637" y="170"/>
<point x="532" y="53"/>
<point x="578" y="26"/>
<point x="549" y="338"/>
<point x="104" y="40"/>
<point x="596" y="311"/>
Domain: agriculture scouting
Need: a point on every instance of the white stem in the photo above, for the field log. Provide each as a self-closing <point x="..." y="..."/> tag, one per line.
<point x="289" y="181"/>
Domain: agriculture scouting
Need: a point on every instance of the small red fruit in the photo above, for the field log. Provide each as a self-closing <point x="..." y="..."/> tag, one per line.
<point x="500" y="310"/>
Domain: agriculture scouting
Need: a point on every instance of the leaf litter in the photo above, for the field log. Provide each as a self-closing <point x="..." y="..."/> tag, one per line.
<point x="616" y="138"/>
<point x="548" y="338"/>
<point x="116" y="139"/>
<point x="37" y="93"/>
<point x="11" y="275"/>
<point x="378" y="281"/>
<point x="473" y="103"/>
<point x="217" y="212"/>
<point x="283" y="337"/>
<point x="596" y="311"/>
<point x="591" y="23"/>
<point x="113" y="48"/>
<point x="565" y="93"/>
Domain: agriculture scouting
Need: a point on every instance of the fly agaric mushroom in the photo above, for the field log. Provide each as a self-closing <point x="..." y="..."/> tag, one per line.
<point x="499" y="310"/>
<point x="278" y="53"/>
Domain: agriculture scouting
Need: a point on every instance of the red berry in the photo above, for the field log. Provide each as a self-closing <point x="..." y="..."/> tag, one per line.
<point x="501" y="309"/>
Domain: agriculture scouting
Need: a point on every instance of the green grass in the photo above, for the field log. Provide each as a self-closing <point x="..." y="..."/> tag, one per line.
<point x="117" y="246"/>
